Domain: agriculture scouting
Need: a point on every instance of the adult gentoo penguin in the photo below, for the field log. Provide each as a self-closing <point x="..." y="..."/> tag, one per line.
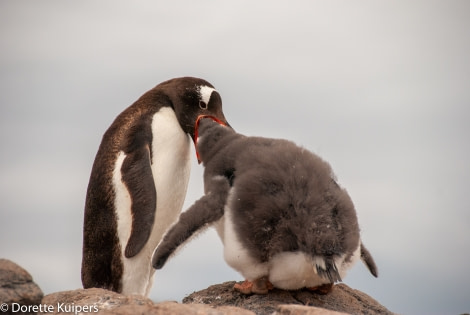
<point x="138" y="183"/>
<point x="283" y="219"/>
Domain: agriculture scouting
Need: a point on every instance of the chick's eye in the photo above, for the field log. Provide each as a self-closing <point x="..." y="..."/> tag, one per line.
<point x="202" y="105"/>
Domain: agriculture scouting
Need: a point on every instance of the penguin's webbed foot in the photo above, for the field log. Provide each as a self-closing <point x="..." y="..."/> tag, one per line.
<point x="259" y="286"/>
<point x="244" y="288"/>
<point x="322" y="289"/>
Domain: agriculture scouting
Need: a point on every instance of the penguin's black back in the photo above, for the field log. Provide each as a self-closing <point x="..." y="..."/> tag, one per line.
<point x="103" y="268"/>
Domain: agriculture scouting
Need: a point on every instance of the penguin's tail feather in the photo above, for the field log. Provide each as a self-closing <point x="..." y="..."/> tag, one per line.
<point x="328" y="270"/>
<point x="367" y="259"/>
<point x="199" y="216"/>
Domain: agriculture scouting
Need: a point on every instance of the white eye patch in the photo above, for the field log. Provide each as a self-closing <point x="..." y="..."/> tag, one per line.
<point x="205" y="93"/>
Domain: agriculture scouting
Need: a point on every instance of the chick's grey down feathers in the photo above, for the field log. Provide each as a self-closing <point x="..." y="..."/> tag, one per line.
<point x="285" y="199"/>
<point x="208" y="208"/>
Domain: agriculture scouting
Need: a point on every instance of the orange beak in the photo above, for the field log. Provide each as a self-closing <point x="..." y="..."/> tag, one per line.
<point x="196" y="131"/>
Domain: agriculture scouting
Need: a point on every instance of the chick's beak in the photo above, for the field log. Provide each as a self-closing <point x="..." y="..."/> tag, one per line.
<point x="222" y="122"/>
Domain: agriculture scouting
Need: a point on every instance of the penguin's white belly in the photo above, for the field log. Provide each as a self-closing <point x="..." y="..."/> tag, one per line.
<point x="296" y="270"/>
<point x="170" y="169"/>
<point x="286" y="270"/>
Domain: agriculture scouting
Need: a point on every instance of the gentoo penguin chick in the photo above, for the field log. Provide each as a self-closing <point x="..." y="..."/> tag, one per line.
<point x="283" y="219"/>
<point x="138" y="183"/>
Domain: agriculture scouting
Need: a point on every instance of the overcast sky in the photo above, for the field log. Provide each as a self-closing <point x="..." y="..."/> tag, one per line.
<point x="380" y="89"/>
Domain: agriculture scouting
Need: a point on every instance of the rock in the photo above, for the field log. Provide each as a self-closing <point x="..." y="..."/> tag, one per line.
<point x="341" y="299"/>
<point x="218" y="299"/>
<point x="17" y="286"/>
<point x="104" y="302"/>
<point x="304" y="310"/>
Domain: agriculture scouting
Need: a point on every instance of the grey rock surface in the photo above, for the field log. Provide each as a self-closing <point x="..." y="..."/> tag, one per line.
<point x="17" y="287"/>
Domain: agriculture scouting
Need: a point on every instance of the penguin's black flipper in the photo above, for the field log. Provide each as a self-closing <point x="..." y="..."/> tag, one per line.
<point x="137" y="176"/>
<point x="366" y="257"/>
<point x="201" y="214"/>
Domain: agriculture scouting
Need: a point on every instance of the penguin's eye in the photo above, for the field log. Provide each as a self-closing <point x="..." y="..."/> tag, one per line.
<point x="202" y="105"/>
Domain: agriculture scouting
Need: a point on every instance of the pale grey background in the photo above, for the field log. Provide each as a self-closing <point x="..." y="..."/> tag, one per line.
<point x="380" y="89"/>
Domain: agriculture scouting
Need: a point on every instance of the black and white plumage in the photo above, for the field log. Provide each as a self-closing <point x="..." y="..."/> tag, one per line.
<point x="138" y="183"/>
<point x="278" y="209"/>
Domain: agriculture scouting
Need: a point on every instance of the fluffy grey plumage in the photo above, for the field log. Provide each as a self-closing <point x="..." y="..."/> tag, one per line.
<point x="282" y="198"/>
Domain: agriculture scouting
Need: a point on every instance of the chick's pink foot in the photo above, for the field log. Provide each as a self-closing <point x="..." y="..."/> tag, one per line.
<point x="322" y="289"/>
<point x="244" y="287"/>
<point x="259" y="286"/>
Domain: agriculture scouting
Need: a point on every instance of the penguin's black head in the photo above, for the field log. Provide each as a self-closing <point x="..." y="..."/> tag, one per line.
<point x="192" y="97"/>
